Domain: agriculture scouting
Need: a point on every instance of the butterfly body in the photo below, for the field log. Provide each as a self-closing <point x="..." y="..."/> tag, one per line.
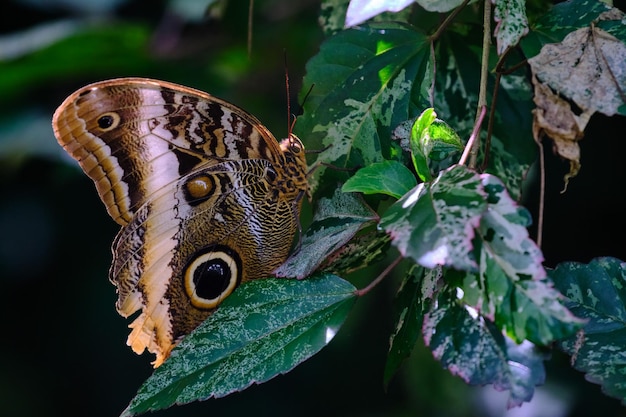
<point x="206" y="197"/>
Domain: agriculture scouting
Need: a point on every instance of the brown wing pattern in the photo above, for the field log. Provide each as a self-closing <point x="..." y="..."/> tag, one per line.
<point x="206" y="196"/>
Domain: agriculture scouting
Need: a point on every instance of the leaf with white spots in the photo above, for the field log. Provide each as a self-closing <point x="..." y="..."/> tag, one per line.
<point x="511" y="23"/>
<point x="597" y="292"/>
<point x="497" y="288"/>
<point x="475" y="350"/>
<point x="335" y="222"/>
<point x="511" y="287"/>
<point x="562" y="19"/>
<point x="362" y="81"/>
<point x="265" y="328"/>
<point x="434" y="223"/>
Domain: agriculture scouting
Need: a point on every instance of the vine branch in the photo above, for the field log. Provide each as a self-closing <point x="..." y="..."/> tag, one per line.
<point x="379" y="278"/>
<point x="447" y="21"/>
<point x="484" y="73"/>
<point x="474" y="136"/>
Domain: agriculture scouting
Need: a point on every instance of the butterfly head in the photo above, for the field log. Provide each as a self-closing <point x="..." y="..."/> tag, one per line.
<point x="295" y="166"/>
<point x="293" y="149"/>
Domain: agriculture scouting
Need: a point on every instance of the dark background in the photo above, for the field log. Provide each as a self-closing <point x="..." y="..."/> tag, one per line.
<point x="63" y="347"/>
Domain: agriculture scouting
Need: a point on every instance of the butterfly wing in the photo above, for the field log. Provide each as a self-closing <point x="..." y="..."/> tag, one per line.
<point x="132" y="136"/>
<point x="205" y="195"/>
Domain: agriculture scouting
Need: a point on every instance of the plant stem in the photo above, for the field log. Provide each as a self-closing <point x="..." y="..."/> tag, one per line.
<point x="447" y="21"/>
<point x="474" y="136"/>
<point x="542" y="193"/>
<point x="484" y="73"/>
<point x="500" y="71"/>
<point x="379" y="278"/>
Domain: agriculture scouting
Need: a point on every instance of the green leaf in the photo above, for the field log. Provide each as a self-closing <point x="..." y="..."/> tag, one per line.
<point x="562" y="19"/>
<point x="265" y="328"/>
<point x="361" y="251"/>
<point x="362" y="80"/>
<point x="432" y="141"/>
<point x="597" y="292"/>
<point x="419" y="143"/>
<point x="420" y="127"/>
<point x="332" y="17"/>
<point x="387" y="177"/>
<point x="412" y="300"/>
<point x="614" y="25"/>
<point x="475" y="350"/>
<point x="511" y="287"/>
<point x="335" y="222"/>
<point x="504" y="234"/>
<point x="443" y="140"/>
<point x="434" y="223"/>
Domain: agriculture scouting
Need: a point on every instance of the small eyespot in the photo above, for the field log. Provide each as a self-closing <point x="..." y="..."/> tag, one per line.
<point x="108" y="121"/>
<point x="199" y="189"/>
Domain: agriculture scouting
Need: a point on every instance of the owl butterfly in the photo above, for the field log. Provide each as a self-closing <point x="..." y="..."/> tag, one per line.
<point x="206" y="197"/>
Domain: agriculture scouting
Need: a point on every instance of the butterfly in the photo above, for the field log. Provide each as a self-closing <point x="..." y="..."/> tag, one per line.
<point x="205" y="195"/>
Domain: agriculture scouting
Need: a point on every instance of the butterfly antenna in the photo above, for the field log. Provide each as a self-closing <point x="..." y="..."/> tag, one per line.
<point x="290" y="123"/>
<point x="308" y="93"/>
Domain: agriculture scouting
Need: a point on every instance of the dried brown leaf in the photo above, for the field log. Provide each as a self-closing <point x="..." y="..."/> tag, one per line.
<point x="554" y="117"/>
<point x="586" y="69"/>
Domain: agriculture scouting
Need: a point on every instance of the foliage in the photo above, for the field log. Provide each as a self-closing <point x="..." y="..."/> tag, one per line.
<point x="266" y="328"/>
<point x="477" y="288"/>
<point x="410" y="177"/>
<point x="596" y="292"/>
